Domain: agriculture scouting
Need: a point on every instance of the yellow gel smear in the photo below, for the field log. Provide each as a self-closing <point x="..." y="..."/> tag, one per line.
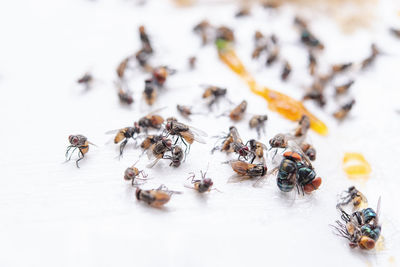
<point x="356" y="166"/>
<point x="288" y="107"/>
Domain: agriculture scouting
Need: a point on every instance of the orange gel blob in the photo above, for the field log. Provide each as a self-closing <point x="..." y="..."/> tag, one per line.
<point x="356" y="166"/>
<point x="288" y="107"/>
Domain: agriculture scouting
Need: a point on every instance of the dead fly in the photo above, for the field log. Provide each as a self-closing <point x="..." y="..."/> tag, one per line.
<point x="271" y="4"/>
<point x="142" y="57"/>
<point x="237" y="113"/>
<point x="307" y="37"/>
<point x="247" y="170"/>
<point x="149" y="93"/>
<point x="226" y="34"/>
<point x="273" y="39"/>
<point x="257" y="148"/>
<point x="258" y="122"/>
<point x="243" y="12"/>
<point x="312" y="62"/>
<point x="144" y="38"/>
<point x="185" y="111"/>
<point x="287" y="69"/>
<point x="86" y="80"/>
<point x="155" y="197"/>
<point x="122" y="67"/>
<point x="309" y="151"/>
<point x="344" y="110"/>
<point x="149" y="141"/>
<point x="133" y="174"/>
<point x="201" y="185"/>
<point x="353" y="196"/>
<point x="151" y="121"/>
<point x="395" y="32"/>
<point x="316" y="93"/>
<point x="176" y="157"/>
<point x="158" y="150"/>
<point x="125" y="96"/>
<point x="272" y="56"/>
<point x="203" y="29"/>
<point x="237" y="145"/>
<point x="186" y="133"/>
<point x="192" y="62"/>
<point x="279" y="141"/>
<point x="341" y="67"/>
<point x="303" y="126"/>
<point x="261" y="45"/>
<point x="79" y="142"/>
<point x="124" y="135"/>
<point x="214" y="93"/>
<point x="160" y="75"/>
<point x="344" y="88"/>
<point x="369" y="60"/>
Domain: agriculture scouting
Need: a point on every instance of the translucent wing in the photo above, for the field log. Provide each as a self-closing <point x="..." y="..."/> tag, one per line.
<point x="236" y="178"/>
<point x="153" y="162"/>
<point x="155" y="111"/>
<point x="197" y="131"/>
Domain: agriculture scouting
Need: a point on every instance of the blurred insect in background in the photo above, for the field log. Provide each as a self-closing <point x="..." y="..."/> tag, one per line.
<point x="258" y="122"/>
<point x="224" y="33"/>
<point x="237" y="113"/>
<point x="361" y="228"/>
<point x="122" y="67"/>
<point x="125" y="96"/>
<point x="261" y="45"/>
<point x="124" y="135"/>
<point x="344" y="110"/>
<point x="201" y="185"/>
<point x="192" y="62"/>
<point x="303" y="126"/>
<point x="185" y="111"/>
<point x="316" y="92"/>
<point x="245" y="170"/>
<point x="306" y="36"/>
<point x="149" y="93"/>
<point x="133" y="174"/>
<point x="155" y="197"/>
<point x="151" y="121"/>
<point x="176" y="157"/>
<point x="203" y="29"/>
<point x="158" y="150"/>
<point x="272" y="56"/>
<point x="344" y="88"/>
<point x="79" y="142"/>
<point x="243" y="12"/>
<point x="187" y="134"/>
<point x="341" y="67"/>
<point x="395" y="32"/>
<point x="86" y="80"/>
<point x="312" y="62"/>
<point x="371" y="58"/>
<point x="213" y="94"/>
<point x="160" y="75"/>
<point x="287" y="69"/>
<point x="257" y="148"/>
<point x="354" y="197"/>
<point x="145" y="40"/>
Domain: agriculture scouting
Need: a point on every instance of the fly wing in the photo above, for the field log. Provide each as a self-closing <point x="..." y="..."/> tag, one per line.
<point x="378" y="211"/>
<point x="155" y="111"/>
<point x="149" y="151"/>
<point x="197" y="131"/>
<point x="260" y="182"/>
<point x="237" y="178"/>
<point x="240" y="167"/>
<point x="153" y="162"/>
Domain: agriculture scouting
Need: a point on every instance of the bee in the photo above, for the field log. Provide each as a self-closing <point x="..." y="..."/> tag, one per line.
<point x="150" y="140"/>
<point x="176" y="157"/>
<point x="144" y="38"/>
<point x="353" y="196"/>
<point x="203" y="28"/>
<point x="287" y="69"/>
<point x="225" y="33"/>
<point x="151" y="120"/>
<point x="344" y="110"/>
<point x="160" y="75"/>
<point x="155" y="197"/>
<point x="258" y="122"/>
<point x="257" y="148"/>
<point x="361" y="228"/>
<point x="303" y="126"/>
<point x="309" y="151"/>
<point x="237" y="113"/>
<point x="341" y="67"/>
<point x="293" y="172"/>
<point x="79" y="142"/>
<point x="201" y="185"/>
<point x="214" y="93"/>
<point x="342" y="89"/>
<point x="395" y="32"/>
<point x="371" y="58"/>
<point x="133" y="174"/>
<point x="158" y="150"/>
<point x="86" y="80"/>
<point x="312" y="62"/>
<point x="186" y="133"/>
<point x="185" y="111"/>
<point x="124" y="135"/>
<point x="122" y="67"/>
<point x="273" y="56"/>
<point x="149" y="93"/>
<point x="248" y="170"/>
<point x="192" y="62"/>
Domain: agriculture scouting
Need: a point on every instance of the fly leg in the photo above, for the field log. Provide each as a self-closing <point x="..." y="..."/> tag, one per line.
<point x="81" y="156"/>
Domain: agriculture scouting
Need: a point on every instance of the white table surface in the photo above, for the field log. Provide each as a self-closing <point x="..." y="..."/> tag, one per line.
<point x="53" y="214"/>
